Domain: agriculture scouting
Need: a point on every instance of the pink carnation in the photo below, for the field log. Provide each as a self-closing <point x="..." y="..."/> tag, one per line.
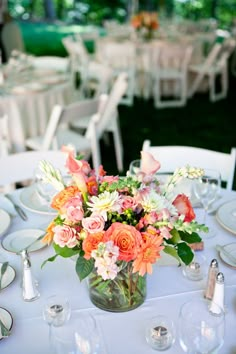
<point x="74" y="209"/>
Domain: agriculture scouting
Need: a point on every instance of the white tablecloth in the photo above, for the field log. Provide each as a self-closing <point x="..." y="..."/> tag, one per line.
<point x="29" y="112"/>
<point x="167" y="290"/>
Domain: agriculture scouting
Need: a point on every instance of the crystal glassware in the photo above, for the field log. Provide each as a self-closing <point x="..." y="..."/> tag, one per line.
<point x="56" y="312"/>
<point x="201" y="331"/>
<point x="206" y="188"/>
<point x="79" y="336"/>
<point x="160" y="333"/>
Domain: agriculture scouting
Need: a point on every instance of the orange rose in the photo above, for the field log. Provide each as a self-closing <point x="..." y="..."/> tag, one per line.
<point x="184" y="207"/>
<point x="91" y="242"/>
<point x="62" y="197"/>
<point x="127" y="238"/>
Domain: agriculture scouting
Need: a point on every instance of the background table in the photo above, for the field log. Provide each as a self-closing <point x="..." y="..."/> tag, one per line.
<point x="167" y="290"/>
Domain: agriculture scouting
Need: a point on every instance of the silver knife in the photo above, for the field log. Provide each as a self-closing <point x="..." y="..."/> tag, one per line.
<point x="17" y="208"/>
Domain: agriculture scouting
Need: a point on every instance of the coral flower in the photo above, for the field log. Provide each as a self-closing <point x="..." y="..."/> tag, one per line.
<point x="62" y="197"/>
<point x="48" y="238"/>
<point x="148" y="254"/>
<point x="91" y="242"/>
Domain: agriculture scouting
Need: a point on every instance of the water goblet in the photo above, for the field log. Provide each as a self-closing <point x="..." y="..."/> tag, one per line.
<point x="56" y="312"/>
<point x="79" y="336"/>
<point x="201" y="331"/>
<point x="206" y="188"/>
<point x="134" y="167"/>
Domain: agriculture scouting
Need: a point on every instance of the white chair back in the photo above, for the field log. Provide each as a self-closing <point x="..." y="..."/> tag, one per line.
<point x="172" y="157"/>
<point x="4" y="136"/>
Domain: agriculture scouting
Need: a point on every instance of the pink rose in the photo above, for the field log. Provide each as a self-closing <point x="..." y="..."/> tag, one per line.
<point x="128" y="202"/>
<point x="93" y="224"/>
<point x="65" y="236"/>
<point x="74" y="209"/>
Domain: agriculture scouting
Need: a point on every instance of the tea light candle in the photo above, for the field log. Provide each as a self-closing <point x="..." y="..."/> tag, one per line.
<point x="159" y="336"/>
<point x="160" y="333"/>
<point x="193" y="271"/>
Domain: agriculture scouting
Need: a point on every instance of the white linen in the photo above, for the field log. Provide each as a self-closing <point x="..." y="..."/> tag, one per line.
<point x="167" y="290"/>
<point x="29" y="110"/>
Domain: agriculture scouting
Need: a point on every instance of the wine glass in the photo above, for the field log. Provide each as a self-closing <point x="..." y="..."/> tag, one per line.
<point x="206" y="188"/>
<point x="134" y="167"/>
<point x="79" y="336"/>
<point x="201" y="331"/>
<point x="56" y="312"/>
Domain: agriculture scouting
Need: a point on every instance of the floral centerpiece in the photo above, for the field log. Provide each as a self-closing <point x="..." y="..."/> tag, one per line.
<point x="145" y="23"/>
<point x="118" y="226"/>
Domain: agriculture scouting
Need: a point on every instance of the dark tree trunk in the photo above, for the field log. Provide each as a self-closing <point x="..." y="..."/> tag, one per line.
<point x="49" y="10"/>
<point x="214" y="4"/>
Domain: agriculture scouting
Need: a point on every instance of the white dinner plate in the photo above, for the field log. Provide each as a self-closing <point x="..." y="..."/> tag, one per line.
<point x="16" y="241"/>
<point x="6" y="319"/>
<point x="231" y="249"/>
<point x="8" y="276"/>
<point x="31" y="201"/>
<point x="5" y="221"/>
<point x="226" y="216"/>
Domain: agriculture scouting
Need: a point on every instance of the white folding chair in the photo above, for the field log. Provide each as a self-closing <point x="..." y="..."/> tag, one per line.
<point x="170" y="67"/>
<point x="5" y="145"/>
<point x="107" y="116"/>
<point x="21" y="166"/>
<point x="172" y="157"/>
<point x="121" y="57"/>
<point x="59" y="131"/>
<point x="216" y="64"/>
<point x="94" y="76"/>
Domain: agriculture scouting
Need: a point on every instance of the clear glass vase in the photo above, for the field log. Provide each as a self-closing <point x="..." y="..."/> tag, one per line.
<point x="126" y="292"/>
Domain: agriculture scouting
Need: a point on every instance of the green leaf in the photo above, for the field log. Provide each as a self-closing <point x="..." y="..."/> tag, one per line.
<point x="172" y="252"/>
<point x="84" y="267"/>
<point x="184" y="252"/>
<point x="65" y="252"/>
<point x="51" y="259"/>
<point x="190" y="238"/>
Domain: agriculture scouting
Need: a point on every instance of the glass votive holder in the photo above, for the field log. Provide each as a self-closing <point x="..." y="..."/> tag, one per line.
<point x="134" y="167"/>
<point x="197" y="269"/>
<point x="160" y="333"/>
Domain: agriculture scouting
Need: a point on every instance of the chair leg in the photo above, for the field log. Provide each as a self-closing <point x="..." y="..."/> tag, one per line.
<point x="118" y="146"/>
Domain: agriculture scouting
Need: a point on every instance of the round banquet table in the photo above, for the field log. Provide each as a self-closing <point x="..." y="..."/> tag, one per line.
<point x="28" y="104"/>
<point x="167" y="290"/>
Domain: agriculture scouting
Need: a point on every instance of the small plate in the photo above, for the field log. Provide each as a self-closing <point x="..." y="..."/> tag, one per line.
<point x="5" y="221"/>
<point x="8" y="276"/>
<point x="6" y="319"/>
<point x="226" y="216"/>
<point x="230" y="248"/>
<point x="30" y="200"/>
<point x="18" y="240"/>
<point x="7" y="205"/>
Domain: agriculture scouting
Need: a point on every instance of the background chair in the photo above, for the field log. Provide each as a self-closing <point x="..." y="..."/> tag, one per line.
<point x="5" y="145"/>
<point x="12" y="38"/>
<point x="21" y="167"/>
<point x="94" y="77"/>
<point x="121" y="57"/>
<point x="170" y="67"/>
<point x="102" y="117"/>
<point x="215" y="64"/>
<point x="172" y="157"/>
